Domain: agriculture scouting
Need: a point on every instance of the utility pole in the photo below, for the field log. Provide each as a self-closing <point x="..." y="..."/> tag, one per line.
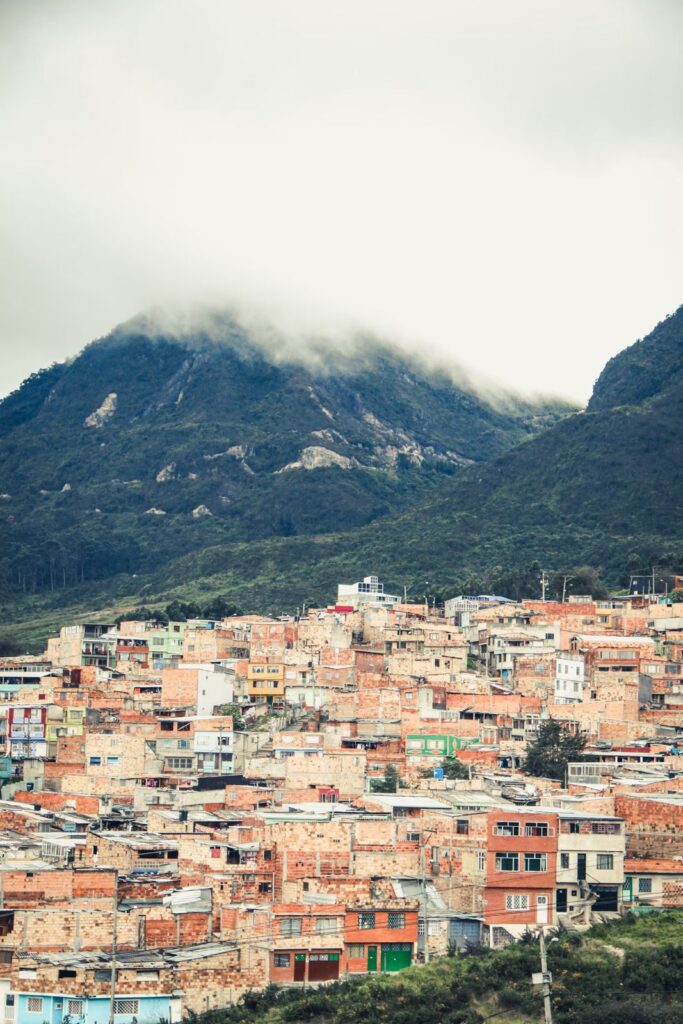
<point x="565" y="581"/>
<point x="544" y="583"/>
<point x="114" y="938"/>
<point x="547" y="1008"/>
<point x="423" y="873"/>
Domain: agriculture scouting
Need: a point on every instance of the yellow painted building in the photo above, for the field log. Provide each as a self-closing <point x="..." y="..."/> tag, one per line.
<point x="265" y="680"/>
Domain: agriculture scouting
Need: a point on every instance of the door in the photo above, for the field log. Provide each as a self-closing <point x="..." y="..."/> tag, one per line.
<point x="541" y="909"/>
<point x="299" y="967"/>
<point x="323" y="966"/>
<point x="396" y="956"/>
<point x="372" y="959"/>
<point x="581" y="867"/>
<point x="562" y="901"/>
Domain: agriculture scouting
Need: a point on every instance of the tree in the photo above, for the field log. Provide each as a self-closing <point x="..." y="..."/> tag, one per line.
<point x="9" y="646"/>
<point x="553" y="748"/>
<point x="676" y="595"/>
<point x="389" y="784"/>
<point x="455" y="769"/>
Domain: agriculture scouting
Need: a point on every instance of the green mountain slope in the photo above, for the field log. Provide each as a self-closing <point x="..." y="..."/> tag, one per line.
<point x="603" y="487"/>
<point x="150" y="448"/>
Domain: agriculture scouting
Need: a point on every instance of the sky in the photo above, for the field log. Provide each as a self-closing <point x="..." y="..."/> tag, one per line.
<point x="496" y="182"/>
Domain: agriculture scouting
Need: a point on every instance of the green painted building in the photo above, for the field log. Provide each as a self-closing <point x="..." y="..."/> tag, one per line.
<point x="433" y="745"/>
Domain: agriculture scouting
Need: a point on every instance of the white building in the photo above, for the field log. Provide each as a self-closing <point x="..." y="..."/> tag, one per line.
<point x="369" y="593"/>
<point x="570" y="677"/>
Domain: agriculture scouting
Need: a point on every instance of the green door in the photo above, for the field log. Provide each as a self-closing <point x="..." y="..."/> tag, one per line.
<point x="372" y="958"/>
<point x="628" y="889"/>
<point x="396" y="956"/>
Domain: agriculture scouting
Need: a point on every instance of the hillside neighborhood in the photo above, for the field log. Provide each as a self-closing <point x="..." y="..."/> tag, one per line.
<point x="194" y="810"/>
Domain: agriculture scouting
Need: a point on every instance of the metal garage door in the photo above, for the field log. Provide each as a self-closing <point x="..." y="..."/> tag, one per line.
<point x="323" y="966"/>
<point x="396" y="955"/>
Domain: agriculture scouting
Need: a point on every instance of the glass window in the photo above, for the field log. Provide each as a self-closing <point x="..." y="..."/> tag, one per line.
<point x="290" y="926"/>
<point x="281" y="959"/>
<point x="644" y="885"/>
<point x="574" y="827"/>
<point x="326" y="925"/>
<point x="564" y="861"/>
<point x="507" y="828"/>
<point x="366" y="920"/>
<point x="507" y="862"/>
<point x="536" y="828"/>
<point x="355" y="950"/>
<point x="605" y="862"/>
<point x="481" y="860"/>
<point x="535" y="862"/>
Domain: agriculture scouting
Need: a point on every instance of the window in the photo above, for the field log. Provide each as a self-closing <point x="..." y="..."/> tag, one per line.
<point x="462" y="827"/>
<point x="605" y="862"/>
<point x="326" y="925"/>
<point x="397" y="920"/>
<point x="290" y="926"/>
<point x="536" y="828"/>
<point x="535" y="862"/>
<point x="481" y="860"/>
<point x="281" y="959"/>
<point x="265" y="887"/>
<point x="126" y="1006"/>
<point x="574" y="827"/>
<point x="507" y="828"/>
<point x="564" y="861"/>
<point x="516" y="901"/>
<point x="35" y="1005"/>
<point x="267" y="854"/>
<point x="413" y="837"/>
<point x="146" y="975"/>
<point x="112" y="760"/>
<point x="74" y="1007"/>
<point x="644" y="885"/>
<point x="355" y="950"/>
<point x="605" y="828"/>
<point x="507" y="862"/>
<point x="366" y="920"/>
<point x="95" y="760"/>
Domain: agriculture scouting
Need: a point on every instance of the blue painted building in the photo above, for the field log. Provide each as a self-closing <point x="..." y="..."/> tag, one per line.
<point x="36" y="1008"/>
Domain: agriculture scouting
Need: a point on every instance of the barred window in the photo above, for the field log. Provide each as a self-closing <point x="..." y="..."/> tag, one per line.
<point x="644" y="885"/>
<point x="74" y="1007"/>
<point x="124" y="1006"/>
<point x="366" y="920"/>
<point x="35" y="1004"/>
<point x="516" y="901"/>
<point x="397" y="920"/>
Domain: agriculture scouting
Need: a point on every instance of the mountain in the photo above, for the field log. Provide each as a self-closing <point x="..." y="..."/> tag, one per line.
<point x="429" y="480"/>
<point x="156" y="444"/>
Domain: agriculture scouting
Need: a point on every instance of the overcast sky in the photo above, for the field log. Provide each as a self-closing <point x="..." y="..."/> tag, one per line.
<point x="499" y="181"/>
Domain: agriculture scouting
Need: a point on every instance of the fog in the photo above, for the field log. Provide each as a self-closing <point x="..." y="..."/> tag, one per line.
<point x="493" y="183"/>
